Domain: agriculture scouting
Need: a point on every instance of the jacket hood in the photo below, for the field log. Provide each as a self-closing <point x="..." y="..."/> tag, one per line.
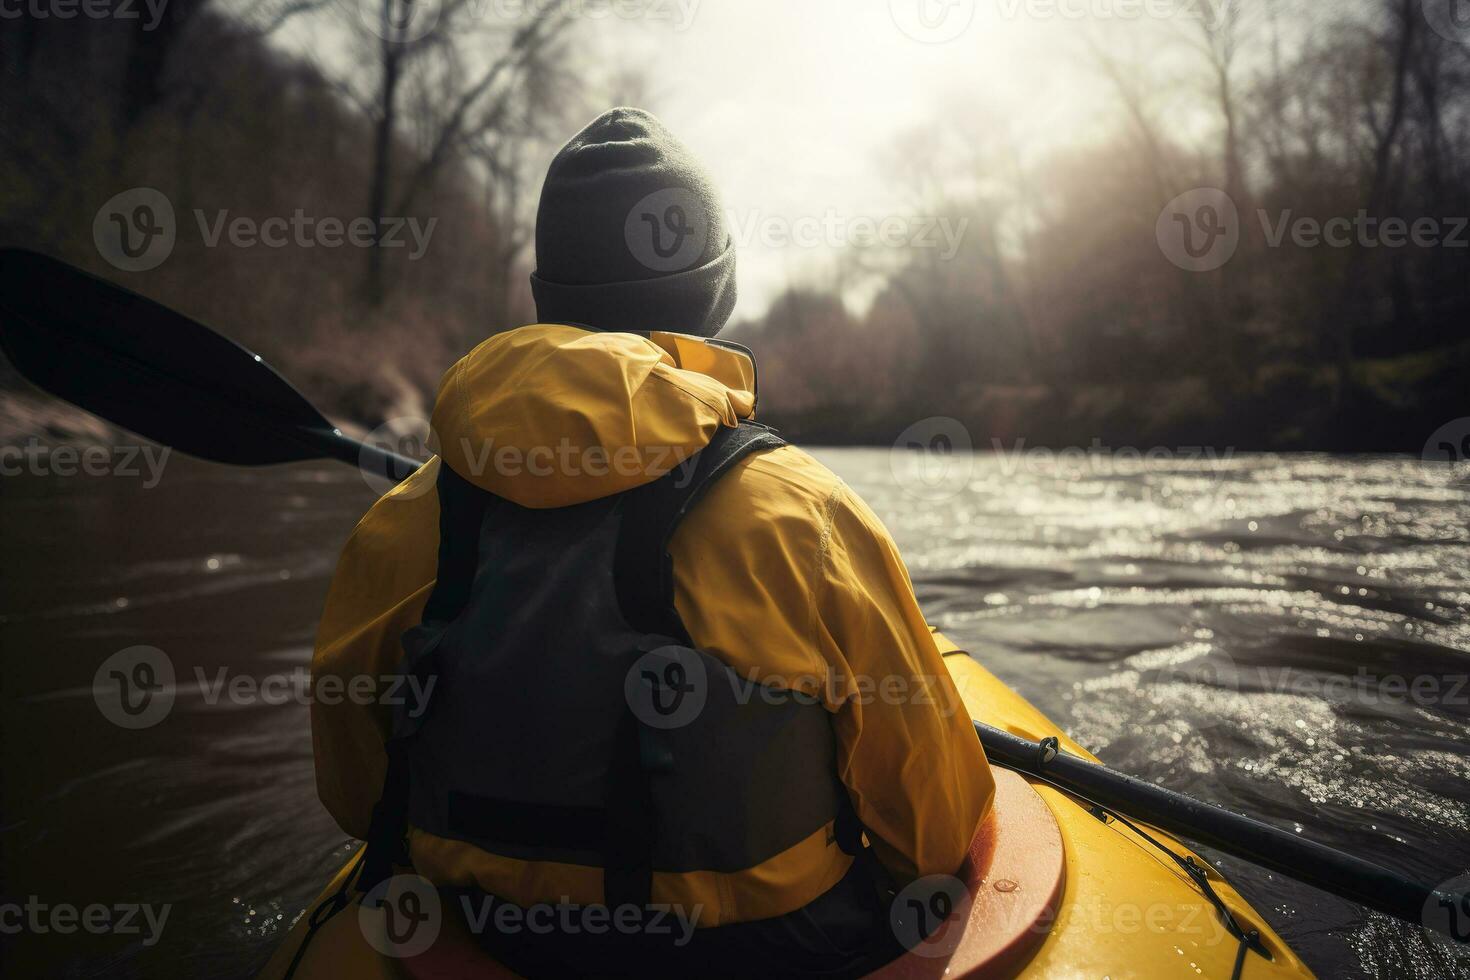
<point x="551" y="415"/>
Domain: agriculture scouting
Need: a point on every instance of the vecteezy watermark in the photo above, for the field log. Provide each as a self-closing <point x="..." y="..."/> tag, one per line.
<point x="36" y="458"/>
<point x="667" y="688"/>
<point x="406" y="21"/>
<point x="1212" y="13"/>
<point x="402" y="916"/>
<point x="150" y="12"/>
<point x="408" y="436"/>
<point x="1368" y="688"/>
<point x="678" y="13"/>
<point x="138" y="687"/>
<point x="928" y="916"/>
<point x="1196" y="920"/>
<point x="1450" y="19"/>
<point x="41" y="918"/>
<point x="1190" y="675"/>
<point x="835" y="686"/>
<point x="1199" y="230"/>
<point x="568" y="918"/>
<point x="134" y="688"/>
<point x="399" y="21"/>
<point x="305" y="231"/>
<point x="478" y="459"/>
<point x="932" y="21"/>
<point x="1099" y="459"/>
<point x="1450" y="443"/>
<point x="297" y="686"/>
<point x="1363" y="230"/>
<point x="1446" y="913"/>
<point x="837" y="231"/>
<point x="933" y="459"/>
<point x="667" y="231"/>
<point x="137" y="230"/>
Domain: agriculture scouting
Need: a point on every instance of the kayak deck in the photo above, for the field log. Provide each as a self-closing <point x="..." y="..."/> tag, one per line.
<point x="1125" y="908"/>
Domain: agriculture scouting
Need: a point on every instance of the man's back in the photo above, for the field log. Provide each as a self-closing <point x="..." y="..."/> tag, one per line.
<point x="778" y="577"/>
<point x="779" y="572"/>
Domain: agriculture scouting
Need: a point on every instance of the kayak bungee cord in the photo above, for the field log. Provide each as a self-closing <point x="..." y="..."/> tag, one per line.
<point x="332" y="906"/>
<point x="1305" y="860"/>
<point x="1249" y="939"/>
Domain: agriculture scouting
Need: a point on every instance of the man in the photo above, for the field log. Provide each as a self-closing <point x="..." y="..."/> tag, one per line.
<point x="604" y="532"/>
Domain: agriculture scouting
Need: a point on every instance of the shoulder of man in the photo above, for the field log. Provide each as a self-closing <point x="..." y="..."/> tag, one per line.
<point x="751" y="561"/>
<point x="778" y="482"/>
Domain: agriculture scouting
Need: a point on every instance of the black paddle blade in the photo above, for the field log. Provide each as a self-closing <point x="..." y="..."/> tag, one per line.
<point x="149" y="369"/>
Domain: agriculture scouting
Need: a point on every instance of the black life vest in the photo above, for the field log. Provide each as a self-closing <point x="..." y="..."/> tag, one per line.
<point x="573" y="720"/>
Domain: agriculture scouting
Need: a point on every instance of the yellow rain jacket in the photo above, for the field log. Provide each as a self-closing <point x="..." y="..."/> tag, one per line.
<point x="780" y="571"/>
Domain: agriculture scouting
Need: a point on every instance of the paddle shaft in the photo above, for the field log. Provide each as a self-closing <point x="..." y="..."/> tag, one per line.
<point x="1260" y="843"/>
<point x="371" y="459"/>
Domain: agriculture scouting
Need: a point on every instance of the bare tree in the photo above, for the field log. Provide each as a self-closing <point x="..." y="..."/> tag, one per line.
<point x="467" y="75"/>
<point x="1220" y="29"/>
<point x="1385" y="124"/>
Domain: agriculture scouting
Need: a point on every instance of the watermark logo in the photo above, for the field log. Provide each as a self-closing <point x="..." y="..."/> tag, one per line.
<point x="40" y="918"/>
<point x="407" y="435"/>
<point x="135" y="231"/>
<point x="667" y="230"/>
<point x="667" y="688"/>
<point x="302" y="230"/>
<point x="1450" y="19"/>
<point x="566" y="918"/>
<point x="134" y="10"/>
<point x="1196" y="920"/>
<point x="399" y="21"/>
<point x="928" y="916"/>
<point x="1363" y="230"/>
<point x="834" y="230"/>
<point x="402" y="916"/>
<point x="137" y="688"/>
<point x="933" y="459"/>
<point x="36" y="458"/>
<point x="834" y="686"/>
<point x="477" y="458"/>
<point x="1211" y="13"/>
<point x="1450" y="443"/>
<point x="1194" y="674"/>
<point x="1446" y="914"/>
<point x="1101" y="460"/>
<point x="134" y="688"/>
<point x="1199" y="230"/>
<point x="932" y="21"/>
<point x="407" y="21"/>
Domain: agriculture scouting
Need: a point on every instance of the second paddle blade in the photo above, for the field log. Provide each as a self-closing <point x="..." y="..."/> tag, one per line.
<point x="147" y="368"/>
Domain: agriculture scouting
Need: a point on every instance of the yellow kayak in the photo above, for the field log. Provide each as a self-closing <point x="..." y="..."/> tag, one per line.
<point x="1055" y="890"/>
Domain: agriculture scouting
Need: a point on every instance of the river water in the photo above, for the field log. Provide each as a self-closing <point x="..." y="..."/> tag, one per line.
<point x="1285" y="635"/>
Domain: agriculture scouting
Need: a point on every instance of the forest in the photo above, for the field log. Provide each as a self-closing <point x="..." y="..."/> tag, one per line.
<point x="1330" y="142"/>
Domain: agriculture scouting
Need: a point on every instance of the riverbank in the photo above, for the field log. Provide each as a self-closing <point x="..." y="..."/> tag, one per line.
<point x="1394" y="406"/>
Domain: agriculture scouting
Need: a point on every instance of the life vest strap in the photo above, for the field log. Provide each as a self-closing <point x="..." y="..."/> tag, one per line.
<point x="644" y="569"/>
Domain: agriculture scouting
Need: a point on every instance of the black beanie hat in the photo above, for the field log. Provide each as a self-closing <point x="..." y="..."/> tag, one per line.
<point x="630" y="234"/>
